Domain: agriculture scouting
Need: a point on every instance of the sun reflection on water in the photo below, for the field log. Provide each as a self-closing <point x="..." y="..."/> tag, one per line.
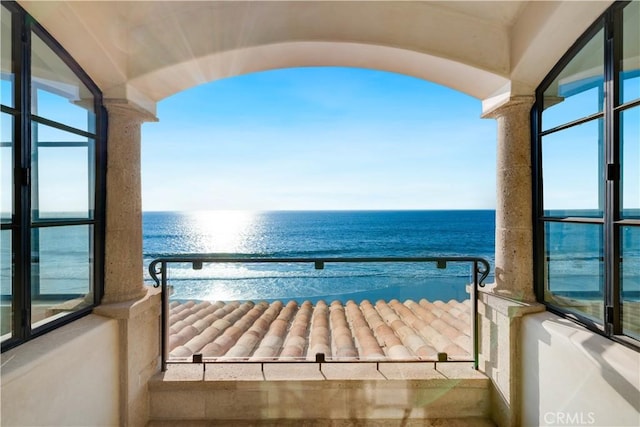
<point x="223" y="231"/>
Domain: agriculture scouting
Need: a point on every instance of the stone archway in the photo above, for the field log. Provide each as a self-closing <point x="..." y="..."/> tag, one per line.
<point x="476" y="82"/>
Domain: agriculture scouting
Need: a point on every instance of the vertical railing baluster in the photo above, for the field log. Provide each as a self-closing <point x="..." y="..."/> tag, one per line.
<point x="165" y="315"/>
<point x="474" y="321"/>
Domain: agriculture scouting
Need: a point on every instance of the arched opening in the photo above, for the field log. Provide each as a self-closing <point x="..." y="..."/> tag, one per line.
<point x="476" y="80"/>
<point x="320" y="162"/>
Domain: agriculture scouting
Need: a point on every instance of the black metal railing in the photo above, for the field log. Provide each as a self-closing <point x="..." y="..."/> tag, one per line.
<point x="158" y="269"/>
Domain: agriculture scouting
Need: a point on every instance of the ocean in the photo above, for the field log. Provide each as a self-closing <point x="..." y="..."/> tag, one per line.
<point x="575" y="266"/>
<point x="292" y="234"/>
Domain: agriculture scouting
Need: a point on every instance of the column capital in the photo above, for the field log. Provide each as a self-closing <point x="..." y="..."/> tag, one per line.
<point x="125" y="108"/>
<point x="508" y="107"/>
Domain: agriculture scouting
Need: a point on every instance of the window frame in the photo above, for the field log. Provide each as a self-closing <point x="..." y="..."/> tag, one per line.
<point x="610" y="163"/>
<point x="22" y="224"/>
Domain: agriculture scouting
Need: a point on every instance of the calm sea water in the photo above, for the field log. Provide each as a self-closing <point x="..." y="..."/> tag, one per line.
<point x="320" y="234"/>
<point x="575" y="262"/>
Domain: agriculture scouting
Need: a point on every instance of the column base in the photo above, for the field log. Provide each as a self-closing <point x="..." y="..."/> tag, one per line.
<point x="499" y="353"/>
<point x="139" y="359"/>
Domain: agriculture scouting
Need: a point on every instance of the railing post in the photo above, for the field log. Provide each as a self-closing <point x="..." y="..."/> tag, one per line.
<point x="165" y="315"/>
<point x="474" y="321"/>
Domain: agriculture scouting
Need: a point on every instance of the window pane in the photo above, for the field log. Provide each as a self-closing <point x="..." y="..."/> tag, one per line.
<point x="630" y="273"/>
<point x="574" y="268"/>
<point x="630" y="292"/>
<point x="572" y="171"/>
<point x="6" y="85"/>
<point x="61" y="271"/>
<point x="630" y="152"/>
<point x="630" y="69"/>
<point x="6" y="167"/>
<point x="57" y="93"/>
<point x="6" y="276"/>
<point x="578" y="91"/>
<point x="62" y="174"/>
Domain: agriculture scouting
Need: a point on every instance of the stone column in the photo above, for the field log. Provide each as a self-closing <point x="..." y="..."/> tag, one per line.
<point x="123" y="246"/>
<point x="126" y="299"/>
<point x="502" y="305"/>
<point x="514" y="228"/>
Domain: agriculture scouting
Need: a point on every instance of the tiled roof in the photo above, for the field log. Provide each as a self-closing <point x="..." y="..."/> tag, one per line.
<point x="390" y="330"/>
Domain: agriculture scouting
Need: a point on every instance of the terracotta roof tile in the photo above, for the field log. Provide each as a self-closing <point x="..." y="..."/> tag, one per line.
<point x="391" y="330"/>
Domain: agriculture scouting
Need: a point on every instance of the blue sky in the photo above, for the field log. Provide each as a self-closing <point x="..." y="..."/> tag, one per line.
<point x="330" y="138"/>
<point x="319" y="138"/>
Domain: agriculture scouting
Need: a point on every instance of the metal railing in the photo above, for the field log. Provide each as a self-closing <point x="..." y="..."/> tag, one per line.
<point x="158" y="269"/>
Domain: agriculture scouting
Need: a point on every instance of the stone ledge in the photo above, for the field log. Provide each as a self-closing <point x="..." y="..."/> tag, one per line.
<point x="307" y="396"/>
<point x="352" y="375"/>
<point x="132" y="308"/>
<point x="507" y="306"/>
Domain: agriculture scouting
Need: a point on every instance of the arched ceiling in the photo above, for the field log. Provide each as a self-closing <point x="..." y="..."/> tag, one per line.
<point x="148" y="50"/>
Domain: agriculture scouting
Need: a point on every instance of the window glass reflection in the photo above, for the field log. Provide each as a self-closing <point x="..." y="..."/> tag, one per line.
<point x="574" y="268"/>
<point x="57" y="93"/>
<point x="630" y="269"/>
<point x="6" y="73"/>
<point x="578" y="91"/>
<point x="630" y="67"/>
<point x="61" y="271"/>
<point x="572" y="171"/>
<point x="6" y="291"/>
<point x="6" y="167"/>
<point x="62" y="175"/>
<point x="630" y="152"/>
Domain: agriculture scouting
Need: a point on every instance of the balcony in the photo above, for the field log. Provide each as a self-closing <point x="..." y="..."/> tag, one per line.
<point x="288" y="361"/>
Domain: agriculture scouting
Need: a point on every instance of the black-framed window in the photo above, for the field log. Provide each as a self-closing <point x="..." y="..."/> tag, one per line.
<point x="586" y="155"/>
<point x="52" y="153"/>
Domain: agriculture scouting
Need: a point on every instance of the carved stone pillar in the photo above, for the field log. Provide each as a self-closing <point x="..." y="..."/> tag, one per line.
<point x="514" y="227"/>
<point x="123" y="244"/>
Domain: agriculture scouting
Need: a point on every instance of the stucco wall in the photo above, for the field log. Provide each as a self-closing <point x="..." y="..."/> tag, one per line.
<point x="68" y="377"/>
<point x="574" y="377"/>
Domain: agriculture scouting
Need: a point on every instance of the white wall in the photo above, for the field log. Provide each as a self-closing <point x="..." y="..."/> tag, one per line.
<point x="68" y="377"/>
<point x="574" y="377"/>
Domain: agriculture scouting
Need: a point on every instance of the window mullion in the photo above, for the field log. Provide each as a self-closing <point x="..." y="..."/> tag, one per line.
<point x="611" y="164"/>
<point x="613" y="56"/>
<point x="22" y="168"/>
